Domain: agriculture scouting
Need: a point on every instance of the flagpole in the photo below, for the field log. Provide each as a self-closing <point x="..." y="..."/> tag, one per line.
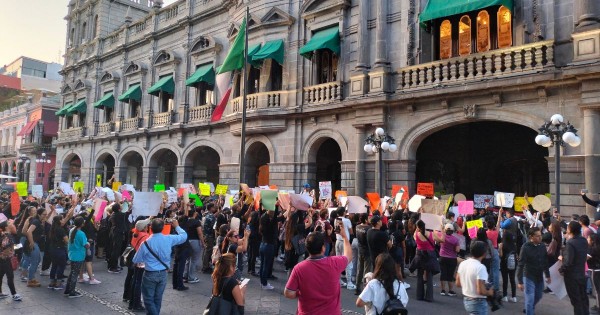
<point x="244" y="96"/>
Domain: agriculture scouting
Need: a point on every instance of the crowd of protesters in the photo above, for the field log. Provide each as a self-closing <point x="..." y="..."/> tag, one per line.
<point x="325" y="247"/>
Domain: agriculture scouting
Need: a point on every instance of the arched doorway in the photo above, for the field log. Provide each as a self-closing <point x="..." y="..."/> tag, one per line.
<point x="328" y="167"/>
<point x="5" y="168"/>
<point x="257" y="165"/>
<point x="204" y="163"/>
<point x="105" y="167"/>
<point x="73" y="164"/>
<point x="132" y="163"/>
<point x="165" y="163"/>
<point x="13" y="169"/>
<point x="483" y="157"/>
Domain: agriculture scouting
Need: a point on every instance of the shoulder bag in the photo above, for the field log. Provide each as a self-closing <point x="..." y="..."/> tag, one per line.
<point x="155" y="256"/>
<point x="219" y="306"/>
<point x="433" y="263"/>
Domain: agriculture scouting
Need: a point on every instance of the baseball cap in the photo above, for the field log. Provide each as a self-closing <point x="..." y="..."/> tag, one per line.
<point x="449" y="226"/>
<point x="142" y="224"/>
<point x="307" y="185"/>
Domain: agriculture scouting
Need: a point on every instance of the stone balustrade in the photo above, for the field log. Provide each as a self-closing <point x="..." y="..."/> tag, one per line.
<point x="106" y="128"/>
<point x="475" y="67"/>
<point x="200" y="113"/>
<point x="130" y="123"/>
<point x="71" y="133"/>
<point x="162" y="119"/>
<point x="263" y="100"/>
<point x="322" y="93"/>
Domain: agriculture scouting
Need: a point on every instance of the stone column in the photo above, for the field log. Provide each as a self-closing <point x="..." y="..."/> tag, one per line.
<point x="121" y="174"/>
<point x="363" y="35"/>
<point x="184" y="174"/>
<point x="148" y="177"/>
<point x="591" y="142"/>
<point x="585" y="15"/>
<point x="359" y="179"/>
<point x="381" y="45"/>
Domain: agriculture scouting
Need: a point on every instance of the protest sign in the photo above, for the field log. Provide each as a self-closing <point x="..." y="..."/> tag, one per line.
<point x="448" y="199"/>
<point x="108" y="193"/>
<point x="116" y="186"/>
<point x="269" y="198"/>
<point x="127" y="187"/>
<point x="15" y="203"/>
<point x="273" y="187"/>
<point x="78" y="186"/>
<point x="307" y="198"/>
<point x="415" y="203"/>
<point x="204" y="189"/>
<point x="147" y="203"/>
<point x="454" y="210"/>
<point x="325" y="190"/>
<point x="159" y="187"/>
<point x="37" y="191"/>
<point x="432" y="221"/>
<point x="190" y="187"/>
<point x="504" y="199"/>
<point x="465" y="207"/>
<point x="520" y="203"/>
<point x="246" y="189"/>
<point x="298" y="202"/>
<point x="98" y="180"/>
<point x="480" y="201"/>
<point x="221" y="190"/>
<point x="340" y="193"/>
<point x="425" y="189"/>
<point x="171" y="196"/>
<point x="235" y="224"/>
<point x="541" y="203"/>
<point x="395" y="189"/>
<point x="66" y="188"/>
<point x="126" y="195"/>
<point x="99" y="206"/>
<point x="557" y="285"/>
<point x="284" y="200"/>
<point x="263" y="187"/>
<point x="398" y="198"/>
<point x="211" y="186"/>
<point x="437" y="207"/>
<point x="474" y="223"/>
<point x="356" y="204"/>
<point x="343" y="201"/>
<point x="383" y="205"/>
<point x="472" y="232"/>
<point x="374" y="201"/>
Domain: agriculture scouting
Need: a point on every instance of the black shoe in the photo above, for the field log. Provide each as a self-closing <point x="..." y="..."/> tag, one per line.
<point x="75" y="295"/>
<point x="184" y="288"/>
<point x="137" y="309"/>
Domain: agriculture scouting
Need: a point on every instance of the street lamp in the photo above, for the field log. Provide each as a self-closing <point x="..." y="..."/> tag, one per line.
<point x="24" y="161"/>
<point x="556" y="133"/>
<point x="380" y="142"/>
<point x="43" y="161"/>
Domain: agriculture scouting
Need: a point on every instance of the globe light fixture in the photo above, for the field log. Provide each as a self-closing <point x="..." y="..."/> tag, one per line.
<point x="377" y="143"/>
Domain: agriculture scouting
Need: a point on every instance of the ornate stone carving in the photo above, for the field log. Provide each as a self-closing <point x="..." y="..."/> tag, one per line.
<point x="470" y="111"/>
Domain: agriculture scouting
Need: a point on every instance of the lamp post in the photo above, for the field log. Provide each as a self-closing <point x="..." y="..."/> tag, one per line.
<point x="42" y="160"/>
<point x="556" y="133"/>
<point x="24" y="161"/>
<point x="378" y="143"/>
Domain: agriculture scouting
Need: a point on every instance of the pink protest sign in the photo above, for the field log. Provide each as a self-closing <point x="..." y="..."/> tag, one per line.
<point x="99" y="206"/>
<point x="465" y="207"/>
<point x="126" y="195"/>
<point x="473" y="232"/>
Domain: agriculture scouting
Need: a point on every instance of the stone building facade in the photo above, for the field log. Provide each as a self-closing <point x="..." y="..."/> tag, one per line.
<point x="463" y="95"/>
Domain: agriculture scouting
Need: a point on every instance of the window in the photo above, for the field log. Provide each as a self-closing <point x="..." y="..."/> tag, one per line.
<point x="95" y="27"/>
<point x="504" y="27"/>
<point x="108" y="114"/>
<point x="83" y="35"/>
<point x="464" y="36"/>
<point x="253" y="80"/>
<point x="134" y="108"/>
<point x="166" y="102"/>
<point x="276" y="76"/>
<point x="69" y="121"/>
<point x="327" y="64"/>
<point x="203" y="93"/>
<point x="81" y="119"/>
<point x="72" y="37"/>
<point x="483" y="31"/>
<point x="236" y="83"/>
<point x="446" y="39"/>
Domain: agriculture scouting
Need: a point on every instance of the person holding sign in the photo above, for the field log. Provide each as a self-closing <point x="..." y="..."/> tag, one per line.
<point x="426" y="260"/>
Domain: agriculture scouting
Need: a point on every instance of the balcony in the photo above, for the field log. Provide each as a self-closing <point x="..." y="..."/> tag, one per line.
<point x="477" y="67"/>
<point x="36" y="148"/>
<point x="162" y="119"/>
<point x="263" y="100"/>
<point x="71" y="133"/>
<point x="200" y="113"/>
<point x="130" y="124"/>
<point x="106" y="128"/>
<point x="7" y="150"/>
<point x="322" y="93"/>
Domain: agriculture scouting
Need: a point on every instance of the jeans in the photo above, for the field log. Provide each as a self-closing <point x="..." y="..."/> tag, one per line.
<point x="533" y="294"/>
<point x="253" y="249"/>
<point x="267" y="253"/>
<point x="354" y="259"/>
<point x="327" y="249"/>
<point x="59" y="262"/>
<point x="339" y="251"/>
<point x="179" y="266"/>
<point x="72" y="282"/>
<point x="135" y="300"/>
<point x="476" y="306"/>
<point x="34" y="258"/>
<point x="576" y="289"/>
<point x="364" y="267"/>
<point x="195" y="254"/>
<point x="153" y="287"/>
<point x="495" y="268"/>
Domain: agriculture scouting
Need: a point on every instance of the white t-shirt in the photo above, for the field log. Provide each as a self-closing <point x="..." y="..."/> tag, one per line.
<point x="470" y="271"/>
<point x="375" y="296"/>
<point x="347" y="226"/>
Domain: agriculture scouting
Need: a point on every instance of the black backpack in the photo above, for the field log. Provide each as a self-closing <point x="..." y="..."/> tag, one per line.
<point x="393" y="306"/>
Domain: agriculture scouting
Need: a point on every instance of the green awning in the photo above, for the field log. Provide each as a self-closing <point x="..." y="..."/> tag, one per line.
<point x="79" y="107"/>
<point x="133" y="93"/>
<point x="252" y="50"/>
<point x="325" y="39"/>
<point x="166" y="84"/>
<point x="204" y="73"/>
<point x="108" y="100"/>
<point x="443" y="8"/>
<point x="63" y="110"/>
<point x="271" y="50"/>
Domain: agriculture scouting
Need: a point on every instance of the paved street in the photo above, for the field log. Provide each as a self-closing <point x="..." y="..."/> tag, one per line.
<point x="106" y="299"/>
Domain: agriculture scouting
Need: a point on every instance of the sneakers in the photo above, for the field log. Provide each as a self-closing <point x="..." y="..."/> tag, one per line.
<point x="81" y="280"/>
<point x="52" y="285"/>
<point x="3" y="295"/>
<point x="451" y="293"/>
<point x="24" y="279"/>
<point x="193" y="280"/>
<point x="59" y="287"/>
<point x="17" y="298"/>
<point x="351" y="286"/>
<point x="86" y="277"/>
<point x="267" y="287"/>
<point x="443" y="293"/>
<point x="33" y="284"/>
<point x="74" y="295"/>
<point x="114" y="270"/>
<point x="94" y="281"/>
<point x="513" y="299"/>
<point x="505" y="299"/>
<point x="45" y="272"/>
<point x="342" y="283"/>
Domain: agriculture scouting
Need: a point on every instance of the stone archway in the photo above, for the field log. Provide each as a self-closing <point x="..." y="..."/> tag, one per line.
<point x="71" y="168"/>
<point x="163" y="168"/>
<point x="324" y="163"/>
<point x="105" y="166"/>
<point x="131" y="169"/>
<point x="202" y="165"/>
<point x="257" y="164"/>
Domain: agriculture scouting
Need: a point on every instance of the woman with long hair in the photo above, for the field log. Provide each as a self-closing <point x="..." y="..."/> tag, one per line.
<point x="35" y="238"/>
<point x="556" y="243"/>
<point x="6" y="253"/>
<point x="425" y="251"/>
<point x="22" y="226"/>
<point x="384" y="285"/>
<point x="506" y="248"/>
<point x="291" y="230"/>
<point x="77" y="247"/>
<point x="58" y="252"/>
<point x="398" y="250"/>
<point x="253" y="242"/>
<point x="225" y="284"/>
<point x="233" y="244"/>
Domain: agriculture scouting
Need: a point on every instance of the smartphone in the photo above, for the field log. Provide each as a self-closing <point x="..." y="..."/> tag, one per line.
<point x="244" y="282"/>
<point x="584" y="191"/>
<point x="18" y="246"/>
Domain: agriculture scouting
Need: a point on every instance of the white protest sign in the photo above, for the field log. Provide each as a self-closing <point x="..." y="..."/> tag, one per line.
<point x="127" y="187"/>
<point x="557" y="285"/>
<point x="504" y="199"/>
<point x="234" y="192"/>
<point x="398" y="198"/>
<point x="432" y="221"/>
<point x="266" y="187"/>
<point x="37" y="191"/>
<point x="147" y="203"/>
<point x="190" y="187"/>
<point x="235" y="224"/>
<point x="415" y="203"/>
<point x="325" y="190"/>
<point x="357" y="204"/>
<point x="308" y="199"/>
<point x="171" y="196"/>
<point x="109" y="193"/>
<point x="66" y="188"/>
<point x="343" y="201"/>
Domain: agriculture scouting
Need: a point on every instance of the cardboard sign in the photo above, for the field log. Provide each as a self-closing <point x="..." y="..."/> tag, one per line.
<point x="98" y="180"/>
<point x="298" y="202"/>
<point x="325" y="190"/>
<point x="15" y="203"/>
<point x="116" y="186"/>
<point x="235" y="224"/>
<point x="425" y="189"/>
<point x="474" y="223"/>
<point x="37" y="191"/>
<point x="21" y="188"/>
<point x="78" y="186"/>
<point x="504" y="199"/>
<point x="520" y="203"/>
<point x="340" y="193"/>
<point x="284" y="200"/>
<point x="159" y="188"/>
<point x="414" y="204"/>
<point x="147" y="203"/>
<point x="221" y="190"/>
<point x="357" y="204"/>
<point x="374" y="201"/>
<point x="432" y="221"/>
<point x="472" y="232"/>
<point x="465" y="207"/>
<point x="343" y="201"/>
<point x="204" y="189"/>
<point x="269" y="198"/>
<point x="396" y="189"/>
<point x="437" y="207"/>
<point x="99" y="206"/>
<point x="190" y="187"/>
<point x="480" y="201"/>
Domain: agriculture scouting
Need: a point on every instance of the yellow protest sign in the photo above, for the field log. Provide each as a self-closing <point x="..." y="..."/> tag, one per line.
<point x="520" y="202"/>
<point x="474" y="223"/>
<point x="78" y="187"/>
<point x="98" y="180"/>
<point x="22" y="189"/>
<point x="221" y="190"/>
<point x="204" y="189"/>
<point x="116" y="186"/>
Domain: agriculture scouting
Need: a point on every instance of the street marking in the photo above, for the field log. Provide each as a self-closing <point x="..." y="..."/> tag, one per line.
<point x="110" y="305"/>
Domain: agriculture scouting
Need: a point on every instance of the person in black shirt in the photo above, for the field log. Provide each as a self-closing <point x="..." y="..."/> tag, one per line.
<point x="268" y="230"/>
<point x="253" y="242"/>
<point x="364" y="257"/>
<point x="58" y="252"/>
<point x="182" y="252"/>
<point x="117" y="237"/>
<point x="378" y="241"/>
<point x="595" y="204"/>
<point x="573" y="269"/>
<point x="193" y="229"/>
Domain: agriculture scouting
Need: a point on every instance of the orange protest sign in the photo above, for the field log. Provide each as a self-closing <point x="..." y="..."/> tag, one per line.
<point x="396" y="189"/>
<point x="425" y="189"/>
<point x="341" y="193"/>
<point x="274" y="187"/>
<point x="374" y="201"/>
<point x="15" y="203"/>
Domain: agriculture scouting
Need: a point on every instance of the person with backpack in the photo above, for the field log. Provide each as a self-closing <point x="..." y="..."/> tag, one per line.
<point x="385" y="293"/>
<point x="508" y="264"/>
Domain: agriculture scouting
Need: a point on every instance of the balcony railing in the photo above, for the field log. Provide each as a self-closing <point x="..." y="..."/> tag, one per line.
<point x="72" y="133"/>
<point x="475" y="67"/>
<point x="35" y="148"/>
<point x="106" y="128"/>
<point x="323" y="93"/>
<point x="264" y="100"/>
<point x="162" y="119"/>
<point x="200" y="113"/>
<point x="8" y="150"/>
<point x="130" y="124"/>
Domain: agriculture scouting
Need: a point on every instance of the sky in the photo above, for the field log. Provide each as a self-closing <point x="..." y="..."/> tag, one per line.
<point x="34" y="28"/>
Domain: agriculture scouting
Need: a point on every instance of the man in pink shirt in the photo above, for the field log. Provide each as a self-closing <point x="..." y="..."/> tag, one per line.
<point x="315" y="282"/>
